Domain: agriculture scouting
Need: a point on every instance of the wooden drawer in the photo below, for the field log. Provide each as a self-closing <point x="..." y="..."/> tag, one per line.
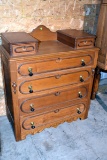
<point x="76" y="38"/>
<point x="56" y="100"/>
<point x="32" y="68"/>
<point x="85" y="43"/>
<point x="19" y="43"/>
<point x="58" y="79"/>
<point x="23" y="49"/>
<point x="31" y="123"/>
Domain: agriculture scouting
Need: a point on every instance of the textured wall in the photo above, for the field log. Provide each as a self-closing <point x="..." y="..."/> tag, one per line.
<point x="25" y="15"/>
<point x="56" y="14"/>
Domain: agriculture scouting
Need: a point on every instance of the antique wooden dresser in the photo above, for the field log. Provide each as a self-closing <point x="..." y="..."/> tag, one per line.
<point x="101" y="42"/>
<point x="47" y="82"/>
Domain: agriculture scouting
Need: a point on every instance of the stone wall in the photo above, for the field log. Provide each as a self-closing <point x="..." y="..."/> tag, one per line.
<point x="25" y="15"/>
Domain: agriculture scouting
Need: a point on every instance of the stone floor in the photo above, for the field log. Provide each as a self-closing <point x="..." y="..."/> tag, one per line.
<point x="79" y="140"/>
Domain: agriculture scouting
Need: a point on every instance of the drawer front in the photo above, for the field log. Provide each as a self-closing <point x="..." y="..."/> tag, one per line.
<point x="23" y="49"/>
<point x="85" y="43"/>
<point x="58" y="80"/>
<point x="54" y="116"/>
<point x="47" y="103"/>
<point x="29" y="69"/>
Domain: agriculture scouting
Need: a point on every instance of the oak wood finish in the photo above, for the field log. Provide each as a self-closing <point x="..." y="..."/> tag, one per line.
<point x="36" y="104"/>
<point x="42" y="33"/>
<point x="55" y="64"/>
<point x="101" y="42"/>
<point x="19" y="43"/>
<point x="76" y="38"/>
<point x="50" y="87"/>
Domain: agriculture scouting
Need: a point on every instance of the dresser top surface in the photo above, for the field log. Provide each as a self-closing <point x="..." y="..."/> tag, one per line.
<point x="17" y="37"/>
<point x="48" y="47"/>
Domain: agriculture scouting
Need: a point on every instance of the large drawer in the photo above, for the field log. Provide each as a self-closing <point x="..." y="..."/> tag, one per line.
<point x="46" y="103"/>
<point x="32" y="68"/>
<point x="55" y="80"/>
<point x="33" y="122"/>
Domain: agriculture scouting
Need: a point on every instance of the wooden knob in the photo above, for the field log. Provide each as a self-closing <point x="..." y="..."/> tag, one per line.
<point x="56" y="111"/>
<point x="57" y="93"/>
<point x="24" y="48"/>
<point x="85" y="42"/>
<point x="58" y="60"/>
<point x="57" y="76"/>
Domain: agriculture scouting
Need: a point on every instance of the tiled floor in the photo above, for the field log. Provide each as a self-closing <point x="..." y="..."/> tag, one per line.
<point x="79" y="140"/>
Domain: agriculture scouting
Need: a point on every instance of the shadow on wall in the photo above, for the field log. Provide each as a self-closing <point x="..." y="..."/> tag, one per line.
<point x="91" y="17"/>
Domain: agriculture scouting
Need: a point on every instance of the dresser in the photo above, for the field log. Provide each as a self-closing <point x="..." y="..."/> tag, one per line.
<point x="101" y="42"/>
<point x="49" y="86"/>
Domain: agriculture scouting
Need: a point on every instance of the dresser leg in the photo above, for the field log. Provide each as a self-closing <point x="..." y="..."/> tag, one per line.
<point x="95" y="83"/>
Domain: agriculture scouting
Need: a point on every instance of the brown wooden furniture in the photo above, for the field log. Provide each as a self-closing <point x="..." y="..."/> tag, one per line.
<point x="101" y="42"/>
<point x="50" y="87"/>
<point x="76" y="38"/>
<point x="19" y="43"/>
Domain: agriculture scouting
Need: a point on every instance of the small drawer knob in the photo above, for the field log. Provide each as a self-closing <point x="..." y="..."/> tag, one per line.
<point x="85" y="42"/>
<point x="83" y="62"/>
<point x="24" y="48"/>
<point x="81" y="79"/>
<point x="30" y="89"/>
<point x="32" y="107"/>
<point x="30" y="71"/>
<point x="80" y="94"/>
<point x="57" y="93"/>
<point x="32" y="125"/>
<point x="57" y="76"/>
<point x="78" y="111"/>
<point x="56" y="111"/>
<point x="58" y="60"/>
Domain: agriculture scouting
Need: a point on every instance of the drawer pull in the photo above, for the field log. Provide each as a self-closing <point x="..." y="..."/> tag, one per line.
<point x="81" y="79"/>
<point x="85" y="42"/>
<point x="58" y="60"/>
<point x="80" y="94"/>
<point x="57" y="93"/>
<point x="83" y="62"/>
<point x="57" y="76"/>
<point x="30" y="89"/>
<point x="32" y="107"/>
<point x="78" y="111"/>
<point x="56" y="111"/>
<point x="30" y="71"/>
<point x="32" y="125"/>
<point x="24" y="48"/>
